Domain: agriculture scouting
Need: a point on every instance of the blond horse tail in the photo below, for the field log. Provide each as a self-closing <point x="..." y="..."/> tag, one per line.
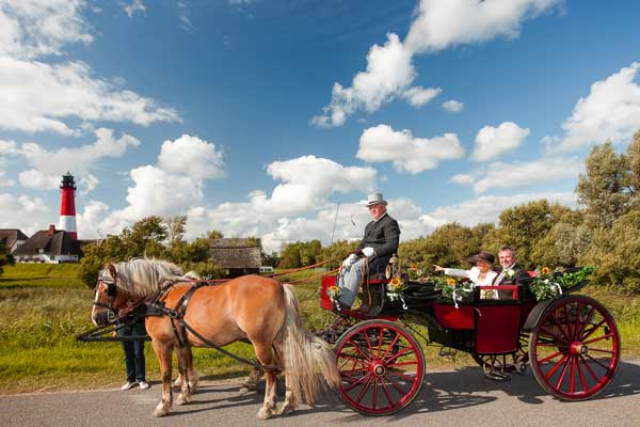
<point x="306" y="356"/>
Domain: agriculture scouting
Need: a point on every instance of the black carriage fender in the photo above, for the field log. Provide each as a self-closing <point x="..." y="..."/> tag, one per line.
<point x="536" y="313"/>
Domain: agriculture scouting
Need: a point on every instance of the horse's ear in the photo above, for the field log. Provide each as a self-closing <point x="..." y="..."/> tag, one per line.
<point x="112" y="271"/>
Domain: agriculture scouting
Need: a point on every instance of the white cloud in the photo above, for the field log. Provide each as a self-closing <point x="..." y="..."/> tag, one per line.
<point x="442" y="24"/>
<point x="453" y="106"/>
<point x="8" y="147"/>
<point x="174" y="185"/>
<point x="389" y="74"/>
<point x="134" y="7"/>
<point x="437" y="25"/>
<point x="158" y="192"/>
<point x="38" y="180"/>
<point x="306" y="184"/>
<point x="33" y="28"/>
<point x="72" y="91"/>
<point x="418" y="96"/>
<point x="25" y="213"/>
<point x="408" y="154"/>
<point x="192" y="156"/>
<point x="49" y="165"/>
<point x="463" y="178"/>
<point x="521" y="174"/>
<point x="488" y="208"/>
<point x="611" y="111"/>
<point x="491" y="142"/>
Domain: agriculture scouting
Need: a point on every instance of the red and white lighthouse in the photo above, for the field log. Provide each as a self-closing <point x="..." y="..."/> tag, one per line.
<point x="68" y="206"/>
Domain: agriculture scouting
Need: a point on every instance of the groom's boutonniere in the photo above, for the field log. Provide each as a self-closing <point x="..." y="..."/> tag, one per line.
<point x="509" y="273"/>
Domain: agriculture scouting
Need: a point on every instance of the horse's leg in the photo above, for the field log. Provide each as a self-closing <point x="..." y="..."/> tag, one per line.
<point x="251" y="382"/>
<point x="192" y="375"/>
<point x="183" y="366"/>
<point x="264" y="355"/>
<point x="164" y="351"/>
<point x="290" y="402"/>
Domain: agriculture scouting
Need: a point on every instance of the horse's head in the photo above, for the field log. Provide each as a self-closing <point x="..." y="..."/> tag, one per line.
<point x="109" y="297"/>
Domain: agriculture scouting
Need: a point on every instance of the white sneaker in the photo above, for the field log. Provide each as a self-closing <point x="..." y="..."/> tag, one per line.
<point x="127" y="386"/>
<point x="143" y="385"/>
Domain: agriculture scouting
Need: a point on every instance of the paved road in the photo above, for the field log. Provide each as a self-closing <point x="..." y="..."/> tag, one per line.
<point x="460" y="398"/>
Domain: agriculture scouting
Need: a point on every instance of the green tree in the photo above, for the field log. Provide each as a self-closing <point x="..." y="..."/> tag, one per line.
<point x="5" y="256"/>
<point x="523" y="226"/>
<point x="149" y="229"/>
<point x="175" y="226"/>
<point x="335" y="253"/>
<point x="615" y="253"/>
<point x="604" y="189"/>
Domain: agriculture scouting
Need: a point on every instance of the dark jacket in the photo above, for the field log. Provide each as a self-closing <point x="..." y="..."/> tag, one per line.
<point x="519" y="274"/>
<point x="383" y="236"/>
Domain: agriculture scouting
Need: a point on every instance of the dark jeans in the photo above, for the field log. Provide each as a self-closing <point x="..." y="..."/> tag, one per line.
<point x="134" y="351"/>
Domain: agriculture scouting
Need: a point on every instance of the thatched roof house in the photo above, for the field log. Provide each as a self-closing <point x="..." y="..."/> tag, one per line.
<point x="239" y="256"/>
<point x="12" y="238"/>
<point x="50" y="246"/>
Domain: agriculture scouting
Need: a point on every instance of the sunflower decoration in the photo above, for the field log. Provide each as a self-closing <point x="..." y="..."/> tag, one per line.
<point x="414" y="272"/>
<point x="394" y="291"/>
<point x="453" y="290"/>
<point x="545" y="270"/>
<point x="333" y="291"/>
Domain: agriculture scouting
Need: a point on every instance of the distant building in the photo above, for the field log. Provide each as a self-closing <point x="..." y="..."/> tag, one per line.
<point x="12" y="238"/>
<point x="49" y="246"/>
<point x="237" y="255"/>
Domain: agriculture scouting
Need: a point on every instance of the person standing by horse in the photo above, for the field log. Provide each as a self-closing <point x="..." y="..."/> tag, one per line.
<point x="134" y="350"/>
<point x="380" y="242"/>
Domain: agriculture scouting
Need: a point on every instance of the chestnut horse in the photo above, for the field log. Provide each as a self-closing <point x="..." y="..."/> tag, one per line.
<point x="253" y="308"/>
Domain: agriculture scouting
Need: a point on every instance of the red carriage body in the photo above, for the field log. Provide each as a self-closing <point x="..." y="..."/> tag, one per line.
<point x="570" y="342"/>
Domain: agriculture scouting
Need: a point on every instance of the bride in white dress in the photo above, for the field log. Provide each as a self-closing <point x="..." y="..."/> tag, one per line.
<point x="481" y="274"/>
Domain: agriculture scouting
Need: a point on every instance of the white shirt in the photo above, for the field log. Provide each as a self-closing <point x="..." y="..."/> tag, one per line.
<point x="474" y="276"/>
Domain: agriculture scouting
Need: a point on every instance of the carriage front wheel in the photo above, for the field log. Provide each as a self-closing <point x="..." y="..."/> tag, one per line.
<point x="575" y="348"/>
<point x="381" y="367"/>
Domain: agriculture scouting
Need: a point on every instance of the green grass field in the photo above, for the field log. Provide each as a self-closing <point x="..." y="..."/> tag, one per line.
<point x="43" y="308"/>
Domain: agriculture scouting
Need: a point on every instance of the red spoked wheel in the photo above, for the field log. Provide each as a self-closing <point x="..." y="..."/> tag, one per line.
<point x="575" y="348"/>
<point x="381" y="367"/>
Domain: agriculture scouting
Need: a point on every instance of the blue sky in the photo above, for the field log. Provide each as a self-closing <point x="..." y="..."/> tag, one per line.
<point x="257" y="117"/>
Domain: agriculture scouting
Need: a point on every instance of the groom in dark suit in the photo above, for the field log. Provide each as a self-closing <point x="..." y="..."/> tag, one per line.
<point x="380" y="242"/>
<point x="511" y="273"/>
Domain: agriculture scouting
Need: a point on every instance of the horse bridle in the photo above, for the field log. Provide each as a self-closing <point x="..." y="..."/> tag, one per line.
<point x="112" y="292"/>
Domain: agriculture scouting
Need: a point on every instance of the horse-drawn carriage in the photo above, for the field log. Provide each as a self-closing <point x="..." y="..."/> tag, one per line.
<point x="570" y="341"/>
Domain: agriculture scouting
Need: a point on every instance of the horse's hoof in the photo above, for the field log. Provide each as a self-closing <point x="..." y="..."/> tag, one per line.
<point x="263" y="414"/>
<point x="244" y="390"/>
<point x="183" y="400"/>
<point x="286" y="410"/>
<point x="160" y="412"/>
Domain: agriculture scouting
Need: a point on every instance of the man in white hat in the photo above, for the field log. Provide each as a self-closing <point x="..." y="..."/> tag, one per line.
<point x="380" y="242"/>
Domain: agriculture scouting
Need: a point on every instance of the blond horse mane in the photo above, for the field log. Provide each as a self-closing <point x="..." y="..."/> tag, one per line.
<point x="142" y="277"/>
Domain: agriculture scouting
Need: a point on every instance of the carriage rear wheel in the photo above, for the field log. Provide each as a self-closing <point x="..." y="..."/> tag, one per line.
<point x="575" y="348"/>
<point x="503" y="364"/>
<point x="381" y="367"/>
